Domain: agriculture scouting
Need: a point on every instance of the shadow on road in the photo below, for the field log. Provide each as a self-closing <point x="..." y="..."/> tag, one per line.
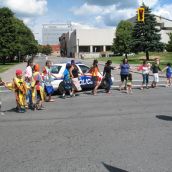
<point x="112" y="169"/>
<point x="11" y="110"/>
<point x="164" y="117"/>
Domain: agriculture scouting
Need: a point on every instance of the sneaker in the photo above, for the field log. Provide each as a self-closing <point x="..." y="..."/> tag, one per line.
<point x="21" y="111"/>
<point x="41" y="108"/>
<point x="63" y="96"/>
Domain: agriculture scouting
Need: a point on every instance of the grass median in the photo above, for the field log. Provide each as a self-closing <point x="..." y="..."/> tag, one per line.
<point x="165" y="58"/>
<point x="4" y="67"/>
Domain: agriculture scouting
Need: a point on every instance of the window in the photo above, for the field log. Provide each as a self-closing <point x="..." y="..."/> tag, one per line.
<point x="97" y="49"/>
<point x="55" y="69"/>
<point x="84" y="48"/>
<point x="84" y="68"/>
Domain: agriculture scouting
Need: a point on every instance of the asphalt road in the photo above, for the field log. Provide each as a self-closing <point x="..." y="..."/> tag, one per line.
<point x="103" y="133"/>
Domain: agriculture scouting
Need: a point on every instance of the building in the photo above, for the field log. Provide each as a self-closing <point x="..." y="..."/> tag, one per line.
<point x="51" y="34"/>
<point x="165" y="26"/>
<point x="85" y="43"/>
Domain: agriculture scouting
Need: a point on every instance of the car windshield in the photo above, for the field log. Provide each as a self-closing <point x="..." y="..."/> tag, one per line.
<point x="55" y="69"/>
<point x="84" y="68"/>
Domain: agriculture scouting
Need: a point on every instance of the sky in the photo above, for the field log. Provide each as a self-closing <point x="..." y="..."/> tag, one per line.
<point x="81" y="13"/>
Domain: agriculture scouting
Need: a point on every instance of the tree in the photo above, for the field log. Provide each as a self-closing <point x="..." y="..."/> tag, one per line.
<point x="169" y="45"/>
<point x="25" y="41"/>
<point x="122" y="42"/>
<point x="46" y="49"/>
<point x="7" y="32"/>
<point x="146" y="37"/>
<point x="16" y="38"/>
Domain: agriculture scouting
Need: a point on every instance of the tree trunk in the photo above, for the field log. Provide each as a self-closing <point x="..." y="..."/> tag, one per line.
<point x="147" y="55"/>
<point x="3" y="60"/>
<point x="126" y="55"/>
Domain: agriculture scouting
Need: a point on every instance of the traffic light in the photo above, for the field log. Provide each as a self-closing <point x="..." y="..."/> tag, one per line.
<point x="141" y="15"/>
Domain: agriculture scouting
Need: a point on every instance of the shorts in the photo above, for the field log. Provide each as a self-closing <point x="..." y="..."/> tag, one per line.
<point x="168" y="76"/>
<point x="124" y="78"/>
<point x="156" y="77"/>
<point x="129" y="84"/>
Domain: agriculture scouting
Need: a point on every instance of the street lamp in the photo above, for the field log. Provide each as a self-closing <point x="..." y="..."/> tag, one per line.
<point x="78" y="46"/>
<point x="19" y="56"/>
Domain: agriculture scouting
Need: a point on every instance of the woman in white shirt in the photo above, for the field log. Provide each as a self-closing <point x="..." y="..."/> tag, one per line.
<point x="145" y="68"/>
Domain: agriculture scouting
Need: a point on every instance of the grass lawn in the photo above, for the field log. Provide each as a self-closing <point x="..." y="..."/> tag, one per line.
<point x="6" y="66"/>
<point x="165" y="58"/>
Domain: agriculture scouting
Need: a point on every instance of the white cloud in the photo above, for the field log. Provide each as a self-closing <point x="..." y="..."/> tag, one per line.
<point x="29" y="8"/>
<point x="149" y="3"/>
<point x="109" y="15"/>
<point x="86" y="9"/>
<point x="99" y="19"/>
<point x="77" y="25"/>
<point x="164" y="11"/>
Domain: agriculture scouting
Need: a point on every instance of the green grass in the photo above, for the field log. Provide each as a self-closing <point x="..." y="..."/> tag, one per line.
<point x="6" y="66"/>
<point x="165" y="58"/>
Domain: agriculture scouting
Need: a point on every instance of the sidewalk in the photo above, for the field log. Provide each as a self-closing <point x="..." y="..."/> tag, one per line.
<point x="8" y="75"/>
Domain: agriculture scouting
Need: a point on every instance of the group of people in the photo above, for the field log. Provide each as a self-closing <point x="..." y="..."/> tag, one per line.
<point x="126" y="74"/>
<point x="32" y="87"/>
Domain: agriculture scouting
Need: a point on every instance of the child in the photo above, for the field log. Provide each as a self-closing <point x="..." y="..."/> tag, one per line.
<point x="107" y="75"/>
<point x="95" y="72"/>
<point x="155" y="69"/>
<point x="30" y="92"/>
<point x="168" y="74"/>
<point x="39" y="90"/>
<point x="67" y="84"/>
<point x="129" y="84"/>
<point x="145" y="68"/>
<point x="19" y="87"/>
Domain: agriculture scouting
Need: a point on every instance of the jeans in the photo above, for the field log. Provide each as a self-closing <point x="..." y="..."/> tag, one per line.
<point x="29" y="97"/>
<point x="145" y="78"/>
<point x="109" y="83"/>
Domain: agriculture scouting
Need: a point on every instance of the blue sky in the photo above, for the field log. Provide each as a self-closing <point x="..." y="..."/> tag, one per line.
<point x="81" y="13"/>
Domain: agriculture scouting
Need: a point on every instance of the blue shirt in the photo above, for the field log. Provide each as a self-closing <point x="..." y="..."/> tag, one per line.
<point x="169" y="70"/>
<point x="66" y="75"/>
<point x="124" y="69"/>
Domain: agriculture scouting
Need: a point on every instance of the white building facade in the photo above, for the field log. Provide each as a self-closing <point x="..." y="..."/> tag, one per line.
<point x="91" y="43"/>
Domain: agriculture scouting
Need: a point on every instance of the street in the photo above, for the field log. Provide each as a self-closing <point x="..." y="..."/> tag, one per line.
<point x="103" y="133"/>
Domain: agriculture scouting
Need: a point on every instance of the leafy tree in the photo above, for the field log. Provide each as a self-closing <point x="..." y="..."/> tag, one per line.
<point x="7" y="32"/>
<point x="40" y="48"/>
<point x="169" y="45"/>
<point x="46" y="49"/>
<point x="25" y="42"/>
<point x="16" y="38"/>
<point x="122" y="42"/>
<point x="146" y="37"/>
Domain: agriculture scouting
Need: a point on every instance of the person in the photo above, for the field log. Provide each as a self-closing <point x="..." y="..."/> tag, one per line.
<point x="95" y="72"/>
<point x="47" y="77"/>
<point x="74" y="74"/>
<point x="29" y="69"/>
<point x="107" y="75"/>
<point x="129" y="84"/>
<point x="30" y="92"/>
<point x="145" y="69"/>
<point x="66" y="83"/>
<point x="39" y="90"/>
<point x="168" y="69"/>
<point x="18" y="85"/>
<point x="155" y="70"/>
<point x="29" y="80"/>
<point x="124" y="67"/>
